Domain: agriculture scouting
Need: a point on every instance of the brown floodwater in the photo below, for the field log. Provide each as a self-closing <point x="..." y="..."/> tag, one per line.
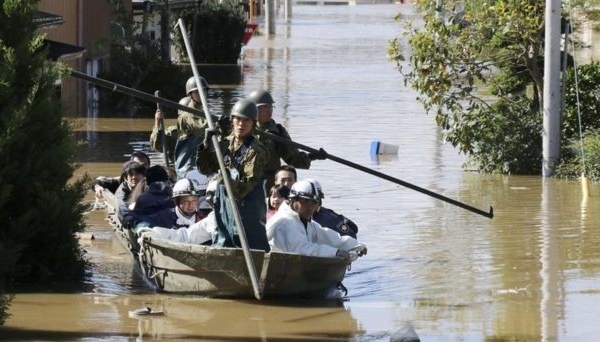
<point x="531" y="273"/>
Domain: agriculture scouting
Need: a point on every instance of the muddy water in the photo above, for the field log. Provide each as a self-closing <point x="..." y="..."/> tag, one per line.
<point x="529" y="274"/>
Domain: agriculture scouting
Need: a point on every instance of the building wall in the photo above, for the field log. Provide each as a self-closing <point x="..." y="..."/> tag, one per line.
<point x="86" y="23"/>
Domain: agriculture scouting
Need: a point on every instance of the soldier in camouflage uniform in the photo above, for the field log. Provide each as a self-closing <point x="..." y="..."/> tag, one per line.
<point x="246" y="159"/>
<point x="278" y="150"/>
<point x="183" y="140"/>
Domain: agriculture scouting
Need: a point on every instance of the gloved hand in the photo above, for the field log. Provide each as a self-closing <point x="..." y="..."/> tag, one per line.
<point x="224" y="123"/>
<point x="208" y="134"/>
<point x="361" y="249"/>
<point x="320" y="154"/>
<point x="357" y="252"/>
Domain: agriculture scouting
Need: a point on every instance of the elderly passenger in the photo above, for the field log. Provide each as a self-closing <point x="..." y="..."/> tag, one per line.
<point x="292" y="230"/>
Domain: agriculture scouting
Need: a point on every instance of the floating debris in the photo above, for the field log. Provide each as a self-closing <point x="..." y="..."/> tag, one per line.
<point x="147" y="311"/>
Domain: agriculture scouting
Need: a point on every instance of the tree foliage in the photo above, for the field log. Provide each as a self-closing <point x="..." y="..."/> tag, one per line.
<point x="40" y="206"/>
<point x="135" y="63"/>
<point x="476" y="65"/>
<point x="216" y="29"/>
<point x="581" y="123"/>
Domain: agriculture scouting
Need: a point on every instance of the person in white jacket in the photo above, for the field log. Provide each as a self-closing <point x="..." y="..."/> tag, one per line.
<point x="292" y="230"/>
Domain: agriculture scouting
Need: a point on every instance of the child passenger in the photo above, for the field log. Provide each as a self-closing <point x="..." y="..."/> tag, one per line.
<point x="277" y="195"/>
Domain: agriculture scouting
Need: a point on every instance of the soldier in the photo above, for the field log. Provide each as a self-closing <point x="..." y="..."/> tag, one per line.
<point x="184" y="139"/>
<point x="246" y="159"/>
<point x="278" y="150"/>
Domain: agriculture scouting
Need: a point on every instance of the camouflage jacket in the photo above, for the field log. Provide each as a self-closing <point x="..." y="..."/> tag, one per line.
<point x="278" y="150"/>
<point x="248" y="161"/>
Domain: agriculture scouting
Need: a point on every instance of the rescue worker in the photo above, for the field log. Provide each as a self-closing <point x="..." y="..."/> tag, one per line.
<point x="292" y="230"/>
<point x="278" y="150"/>
<point x="189" y="132"/>
<point x="245" y="158"/>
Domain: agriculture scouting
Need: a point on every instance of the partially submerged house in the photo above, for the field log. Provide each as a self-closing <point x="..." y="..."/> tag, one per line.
<point x="77" y="33"/>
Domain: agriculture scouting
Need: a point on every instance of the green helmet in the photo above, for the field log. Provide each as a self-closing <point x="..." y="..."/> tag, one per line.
<point x="261" y="97"/>
<point x="190" y="85"/>
<point x="245" y="108"/>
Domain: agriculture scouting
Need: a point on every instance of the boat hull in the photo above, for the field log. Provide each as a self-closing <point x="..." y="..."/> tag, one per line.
<point x="176" y="267"/>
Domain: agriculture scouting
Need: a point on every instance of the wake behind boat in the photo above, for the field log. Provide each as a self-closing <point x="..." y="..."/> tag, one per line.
<point x="177" y="267"/>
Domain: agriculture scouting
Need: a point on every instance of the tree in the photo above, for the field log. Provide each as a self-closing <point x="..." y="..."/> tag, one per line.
<point x="217" y="29"/>
<point x="478" y="67"/>
<point x="40" y="204"/>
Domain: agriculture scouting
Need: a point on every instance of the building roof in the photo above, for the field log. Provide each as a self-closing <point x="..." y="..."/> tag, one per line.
<point x="140" y="5"/>
<point x="45" y="19"/>
<point x="63" y="51"/>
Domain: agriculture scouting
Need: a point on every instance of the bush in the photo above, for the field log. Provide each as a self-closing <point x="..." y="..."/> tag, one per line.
<point x="574" y="163"/>
<point x="217" y="30"/>
<point x="40" y="204"/>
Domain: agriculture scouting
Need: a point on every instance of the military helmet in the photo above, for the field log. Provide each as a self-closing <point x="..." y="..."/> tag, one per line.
<point x="185" y="101"/>
<point x="245" y="108"/>
<point x="305" y="189"/>
<point x="190" y="85"/>
<point x="261" y="97"/>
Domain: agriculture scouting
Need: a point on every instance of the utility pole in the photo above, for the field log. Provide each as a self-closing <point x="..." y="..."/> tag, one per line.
<point x="551" y="103"/>
<point x="270" y="17"/>
<point x="165" y="35"/>
<point x="288" y="10"/>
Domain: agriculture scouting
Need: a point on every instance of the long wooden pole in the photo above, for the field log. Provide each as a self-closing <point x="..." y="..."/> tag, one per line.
<point x="489" y="214"/>
<point x="150" y="98"/>
<point x="161" y="128"/>
<point x="226" y="179"/>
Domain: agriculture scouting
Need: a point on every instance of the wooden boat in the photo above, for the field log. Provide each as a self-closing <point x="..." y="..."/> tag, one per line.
<point x="222" y="272"/>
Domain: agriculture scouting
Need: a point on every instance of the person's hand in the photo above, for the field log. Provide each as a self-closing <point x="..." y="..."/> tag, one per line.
<point x="357" y="252"/>
<point x="208" y="134"/>
<point x="320" y="154"/>
<point x="224" y="122"/>
<point x="98" y="190"/>
<point x="361" y="249"/>
<point x="157" y="117"/>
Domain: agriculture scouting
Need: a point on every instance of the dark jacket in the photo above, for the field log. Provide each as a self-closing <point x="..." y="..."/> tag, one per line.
<point x="154" y="207"/>
<point x="340" y="223"/>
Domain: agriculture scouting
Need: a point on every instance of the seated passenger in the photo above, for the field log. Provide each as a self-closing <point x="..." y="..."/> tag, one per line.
<point x="133" y="173"/>
<point x="330" y="219"/>
<point x="277" y="195"/>
<point x="185" y="196"/>
<point x="285" y="175"/>
<point x="200" y="232"/>
<point x="154" y="206"/>
<point x="292" y="230"/>
<point x="112" y="183"/>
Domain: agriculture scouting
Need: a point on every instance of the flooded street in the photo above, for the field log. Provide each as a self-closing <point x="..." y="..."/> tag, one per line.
<point x="532" y="273"/>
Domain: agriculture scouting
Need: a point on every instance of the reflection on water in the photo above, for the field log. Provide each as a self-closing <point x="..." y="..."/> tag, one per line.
<point x="529" y="274"/>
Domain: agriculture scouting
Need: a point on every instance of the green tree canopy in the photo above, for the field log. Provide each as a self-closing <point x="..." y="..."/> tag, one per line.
<point x="472" y="63"/>
<point x="40" y="206"/>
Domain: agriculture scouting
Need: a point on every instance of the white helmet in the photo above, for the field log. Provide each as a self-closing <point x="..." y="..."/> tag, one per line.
<point x="317" y="186"/>
<point x="184" y="187"/>
<point x="304" y="189"/>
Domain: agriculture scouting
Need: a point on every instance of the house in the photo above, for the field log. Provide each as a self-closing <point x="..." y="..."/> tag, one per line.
<point x="78" y="32"/>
